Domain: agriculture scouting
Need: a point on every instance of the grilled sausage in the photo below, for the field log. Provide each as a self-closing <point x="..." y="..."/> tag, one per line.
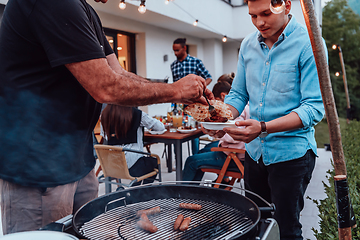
<point x="185" y="224"/>
<point x="144" y="217"/>
<point x="147" y="225"/>
<point x="150" y="211"/>
<point x="192" y="206"/>
<point x="178" y="221"/>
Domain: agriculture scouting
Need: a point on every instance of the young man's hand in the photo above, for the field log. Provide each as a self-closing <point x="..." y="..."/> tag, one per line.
<point x="251" y="130"/>
<point x="213" y="133"/>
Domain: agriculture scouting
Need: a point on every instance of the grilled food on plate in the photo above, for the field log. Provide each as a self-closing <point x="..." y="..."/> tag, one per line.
<point x="200" y="112"/>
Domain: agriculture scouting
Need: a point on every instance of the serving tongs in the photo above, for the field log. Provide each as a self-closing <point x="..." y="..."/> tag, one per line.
<point x="212" y="110"/>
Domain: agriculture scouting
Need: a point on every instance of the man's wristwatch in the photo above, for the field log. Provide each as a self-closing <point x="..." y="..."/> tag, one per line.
<point x="263" y="133"/>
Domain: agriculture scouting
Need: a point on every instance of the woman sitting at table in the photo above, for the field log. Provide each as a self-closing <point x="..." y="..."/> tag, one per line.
<point x="123" y="127"/>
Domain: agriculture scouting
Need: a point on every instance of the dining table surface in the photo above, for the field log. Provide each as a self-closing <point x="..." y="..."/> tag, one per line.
<point x="175" y="138"/>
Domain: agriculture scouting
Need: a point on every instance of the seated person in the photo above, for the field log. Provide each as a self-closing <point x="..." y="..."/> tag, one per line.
<point x="191" y="170"/>
<point x="123" y="127"/>
<point x="220" y="90"/>
<point x="228" y="77"/>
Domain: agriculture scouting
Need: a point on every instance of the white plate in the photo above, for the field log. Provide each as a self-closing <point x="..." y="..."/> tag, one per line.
<point x="218" y="125"/>
<point x="157" y="132"/>
<point x="186" y="130"/>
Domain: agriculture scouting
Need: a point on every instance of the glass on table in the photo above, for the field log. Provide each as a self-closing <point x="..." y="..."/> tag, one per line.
<point x="177" y="120"/>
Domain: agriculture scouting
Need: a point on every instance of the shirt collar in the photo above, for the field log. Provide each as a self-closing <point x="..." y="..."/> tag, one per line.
<point x="290" y="27"/>
<point x="185" y="59"/>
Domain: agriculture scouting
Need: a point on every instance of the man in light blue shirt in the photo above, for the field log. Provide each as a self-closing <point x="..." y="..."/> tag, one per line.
<point x="277" y="74"/>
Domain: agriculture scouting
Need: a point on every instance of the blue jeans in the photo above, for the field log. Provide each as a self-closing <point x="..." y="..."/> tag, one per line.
<point x="191" y="170"/>
<point x="283" y="184"/>
<point x="207" y="147"/>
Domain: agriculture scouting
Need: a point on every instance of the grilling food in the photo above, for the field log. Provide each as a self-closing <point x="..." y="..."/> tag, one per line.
<point x="216" y="119"/>
<point x="185" y="224"/>
<point x="147" y="226"/>
<point x="144" y="217"/>
<point x="150" y="211"/>
<point x="178" y="221"/>
<point x="200" y="112"/>
<point x="191" y="206"/>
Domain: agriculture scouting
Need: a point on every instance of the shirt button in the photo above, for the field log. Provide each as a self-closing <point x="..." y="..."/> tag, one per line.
<point x="267" y="63"/>
<point x="263" y="84"/>
<point x="262" y="141"/>
<point x="260" y="104"/>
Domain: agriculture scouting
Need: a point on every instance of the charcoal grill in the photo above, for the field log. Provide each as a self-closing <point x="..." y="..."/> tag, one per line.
<point x="224" y="214"/>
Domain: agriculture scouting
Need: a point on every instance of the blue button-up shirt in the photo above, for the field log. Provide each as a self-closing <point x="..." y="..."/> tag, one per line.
<point x="190" y="65"/>
<point x="276" y="82"/>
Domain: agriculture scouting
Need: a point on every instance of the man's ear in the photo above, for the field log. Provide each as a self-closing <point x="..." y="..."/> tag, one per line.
<point x="287" y="7"/>
<point x="185" y="48"/>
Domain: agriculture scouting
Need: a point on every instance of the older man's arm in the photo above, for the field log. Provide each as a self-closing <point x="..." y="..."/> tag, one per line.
<point x="114" y="85"/>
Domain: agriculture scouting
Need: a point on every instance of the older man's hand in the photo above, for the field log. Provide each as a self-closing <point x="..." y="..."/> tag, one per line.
<point x="191" y="88"/>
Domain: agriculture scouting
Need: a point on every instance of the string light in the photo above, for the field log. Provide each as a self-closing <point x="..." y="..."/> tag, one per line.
<point x="142" y="8"/>
<point x="224" y="39"/>
<point x="122" y="4"/>
<point x="337" y="74"/>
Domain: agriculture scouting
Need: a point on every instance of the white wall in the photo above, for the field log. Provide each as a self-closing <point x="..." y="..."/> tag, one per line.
<point x="230" y="56"/>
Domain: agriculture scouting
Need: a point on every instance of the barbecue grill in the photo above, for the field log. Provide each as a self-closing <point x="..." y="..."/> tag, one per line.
<point x="224" y="215"/>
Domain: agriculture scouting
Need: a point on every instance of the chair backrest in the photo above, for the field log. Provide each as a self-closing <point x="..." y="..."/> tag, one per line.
<point x="113" y="162"/>
<point x="224" y="171"/>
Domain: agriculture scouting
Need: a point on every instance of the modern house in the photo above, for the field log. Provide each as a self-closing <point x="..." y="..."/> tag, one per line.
<point x="143" y="42"/>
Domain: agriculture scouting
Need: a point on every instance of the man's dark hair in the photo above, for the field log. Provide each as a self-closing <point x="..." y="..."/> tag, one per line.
<point x="220" y="87"/>
<point x="181" y="41"/>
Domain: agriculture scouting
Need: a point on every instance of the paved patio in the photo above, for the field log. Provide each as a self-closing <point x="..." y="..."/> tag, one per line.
<point x="309" y="216"/>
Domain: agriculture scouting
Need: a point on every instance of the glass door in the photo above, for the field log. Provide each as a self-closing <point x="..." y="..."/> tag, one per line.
<point x="123" y="44"/>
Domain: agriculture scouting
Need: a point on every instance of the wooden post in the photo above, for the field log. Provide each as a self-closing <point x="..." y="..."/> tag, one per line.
<point x="328" y="97"/>
<point x="345" y="85"/>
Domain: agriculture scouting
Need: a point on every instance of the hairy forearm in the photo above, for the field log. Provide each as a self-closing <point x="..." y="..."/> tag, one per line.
<point x="116" y="67"/>
<point x="107" y="85"/>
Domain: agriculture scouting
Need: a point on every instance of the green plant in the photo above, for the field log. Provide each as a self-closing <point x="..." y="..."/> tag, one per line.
<point x="327" y="206"/>
<point x="322" y="132"/>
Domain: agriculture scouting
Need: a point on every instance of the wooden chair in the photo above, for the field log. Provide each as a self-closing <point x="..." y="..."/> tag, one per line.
<point x="236" y="173"/>
<point x="113" y="164"/>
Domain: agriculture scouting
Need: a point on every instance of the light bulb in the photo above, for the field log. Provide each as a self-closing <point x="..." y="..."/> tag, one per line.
<point x="337" y="74"/>
<point x="142" y="9"/>
<point x="122" y="5"/>
<point x="334" y="46"/>
<point x="196" y="22"/>
<point x="167" y="1"/>
<point x="277" y="6"/>
<point x="224" y="39"/>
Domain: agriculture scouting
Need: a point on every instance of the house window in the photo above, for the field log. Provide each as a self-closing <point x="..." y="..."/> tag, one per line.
<point x="123" y="44"/>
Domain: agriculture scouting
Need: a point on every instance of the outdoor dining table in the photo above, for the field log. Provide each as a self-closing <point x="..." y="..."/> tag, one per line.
<point x="176" y="139"/>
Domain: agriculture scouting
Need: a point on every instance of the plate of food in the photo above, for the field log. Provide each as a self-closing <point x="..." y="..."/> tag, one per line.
<point x="222" y="117"/>
<point x="185" y="129"/>
<point x="157" y="132"/>
<point x="218" y="125"/>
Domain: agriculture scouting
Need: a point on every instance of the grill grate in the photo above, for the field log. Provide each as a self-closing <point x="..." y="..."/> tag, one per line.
<point x="213" y="221"/>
